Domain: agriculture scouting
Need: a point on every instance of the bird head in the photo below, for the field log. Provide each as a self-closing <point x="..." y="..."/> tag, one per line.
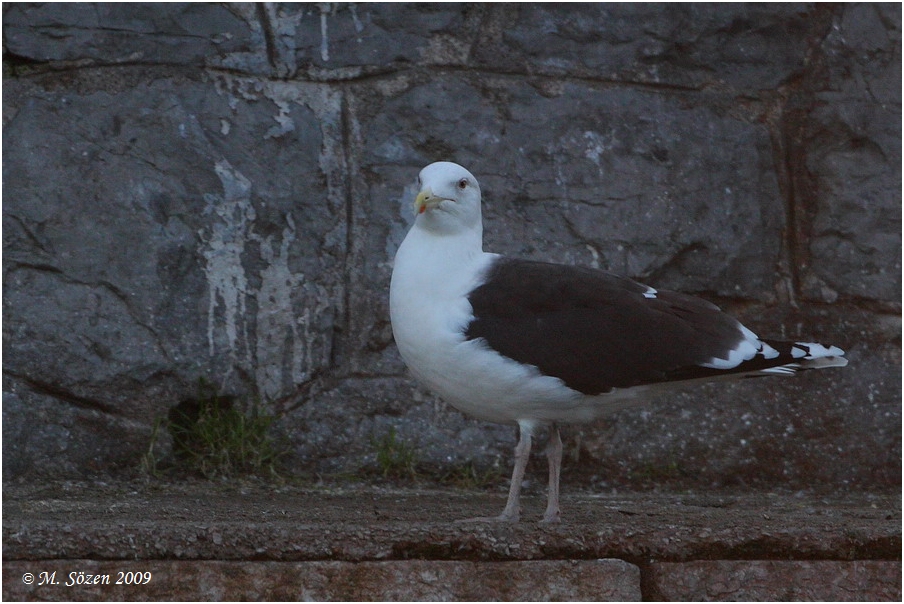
<point x="449" y="198"/>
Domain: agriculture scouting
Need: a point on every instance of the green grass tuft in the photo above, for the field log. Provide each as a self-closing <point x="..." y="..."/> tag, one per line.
<point x="216" y="436"/>
<point x="395" y="458"/>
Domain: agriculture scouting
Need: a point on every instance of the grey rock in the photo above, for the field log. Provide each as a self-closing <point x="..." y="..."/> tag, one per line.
<point x="341" y="429"/>
<point x="175" y="34"/>
<point x="160" y="252"/>
<point x="853" y="135"/>
<point x="370" y="37"/>
<point x="47" y="432"/>
<point x="747" y="47"/>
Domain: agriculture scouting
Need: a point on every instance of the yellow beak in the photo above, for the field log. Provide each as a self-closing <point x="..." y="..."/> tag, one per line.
<point x="426" y="200"/>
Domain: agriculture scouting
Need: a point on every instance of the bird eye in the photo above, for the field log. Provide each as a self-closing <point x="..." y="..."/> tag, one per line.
<point x="462" y="183"/>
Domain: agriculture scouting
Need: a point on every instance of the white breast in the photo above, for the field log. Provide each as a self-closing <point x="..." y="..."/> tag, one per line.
<point x="430" y="312"/>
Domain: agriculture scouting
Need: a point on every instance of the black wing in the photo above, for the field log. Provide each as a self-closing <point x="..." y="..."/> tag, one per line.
<point x="597" y="331"/>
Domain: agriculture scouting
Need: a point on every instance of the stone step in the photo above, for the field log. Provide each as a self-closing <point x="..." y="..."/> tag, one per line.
<point x="219" y="541"/>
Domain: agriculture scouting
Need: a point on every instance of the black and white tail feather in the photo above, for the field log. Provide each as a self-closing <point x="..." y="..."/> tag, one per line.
<point x="753" y="357"/>
<point x="771" y="357"/>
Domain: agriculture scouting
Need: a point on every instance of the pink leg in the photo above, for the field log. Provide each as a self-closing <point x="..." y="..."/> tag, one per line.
<point x="512" y="510"/>
<point x="554" y="455"/>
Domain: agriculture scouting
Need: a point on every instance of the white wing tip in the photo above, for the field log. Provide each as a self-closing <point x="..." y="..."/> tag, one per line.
<point x="810" y="355"/>
<point x="823" y="362"/>
<point x="812" y="351"/>
<point x="781" y="370"/>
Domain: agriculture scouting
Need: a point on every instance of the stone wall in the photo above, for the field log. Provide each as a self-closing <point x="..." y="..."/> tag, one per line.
<point x="216" y="191"/>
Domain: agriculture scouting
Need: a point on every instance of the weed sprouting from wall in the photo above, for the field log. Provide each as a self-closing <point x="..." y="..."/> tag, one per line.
<point x="218" y="436"/>
<point x="395" y="458"/>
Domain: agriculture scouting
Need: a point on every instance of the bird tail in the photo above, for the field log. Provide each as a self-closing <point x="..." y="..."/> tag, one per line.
<point x="773" y="357"/>
<point x="797" y="356"/>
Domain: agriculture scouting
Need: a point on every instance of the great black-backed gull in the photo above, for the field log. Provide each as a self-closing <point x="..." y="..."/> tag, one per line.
<point x="532" y="343"/>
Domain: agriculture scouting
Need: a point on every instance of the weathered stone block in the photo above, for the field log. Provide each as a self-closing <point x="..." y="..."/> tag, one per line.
<point x="368" y="37"/>
<point x="747" y="47"/>
<point x="174" y="34"/>
<point x="850" y="181"/>
<point x="777" y="580"/>
<point x="160" y="251"/>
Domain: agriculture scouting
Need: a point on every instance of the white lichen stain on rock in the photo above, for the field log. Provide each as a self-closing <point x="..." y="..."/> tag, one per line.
<point x="289" y="340"/>
<point x="280" y="340"/>
<point x="287" y="344"/>
<point x="284" y="22"/>
<point x="275" y="320"/>
<point x="597" y="146"/>
<point x="284" y="123"/>
<point x="225" y="239"/>
<point x="325" y="9"/>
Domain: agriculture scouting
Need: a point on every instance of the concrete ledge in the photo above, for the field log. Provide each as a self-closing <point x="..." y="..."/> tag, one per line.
<point x="357" y="523"/>
<point x="218" y="541"/>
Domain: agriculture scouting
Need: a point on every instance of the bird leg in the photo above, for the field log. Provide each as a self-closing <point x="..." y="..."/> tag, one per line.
<point x="512" y="510"/>
<point x="554" y="455"/>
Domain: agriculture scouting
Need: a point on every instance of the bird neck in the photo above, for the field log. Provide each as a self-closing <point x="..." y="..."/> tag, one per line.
<point x="436" y="262"/>
<point x="450" y="244"/>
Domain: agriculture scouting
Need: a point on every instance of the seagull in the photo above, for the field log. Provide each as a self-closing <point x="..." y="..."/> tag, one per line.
<point x="536" y="344"/>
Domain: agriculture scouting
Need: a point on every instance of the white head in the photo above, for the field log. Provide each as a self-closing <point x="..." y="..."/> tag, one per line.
<point x="449" y="199"/>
